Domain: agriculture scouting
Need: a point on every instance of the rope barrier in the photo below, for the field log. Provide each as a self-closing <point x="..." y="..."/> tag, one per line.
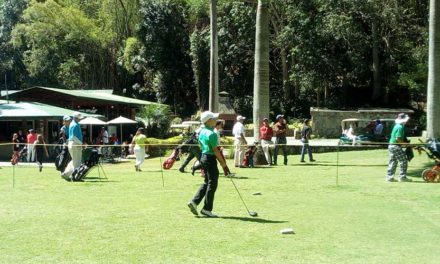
<point x="372" y="145"/>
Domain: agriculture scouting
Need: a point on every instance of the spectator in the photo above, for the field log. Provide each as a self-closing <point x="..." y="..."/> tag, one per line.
<point x="138" y="146"/>
<point x="40" y="151"/>
<point x="104" y="136"/>
<point x="397" y="155"/>
<point x="31" y="138"/>
<point x="21" y="139"/>
<point x="378" y="129"/>
<point x="15" y="148"/>
<point x="114" y="139"/>
<point x="266" y="134"/>
<point x="239" y="141"/>
<point x="280" y="131"/>
<point x="349" y="133"/>
<point x="306" y="132"/>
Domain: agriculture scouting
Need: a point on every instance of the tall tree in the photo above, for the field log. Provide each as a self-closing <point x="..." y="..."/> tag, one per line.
<point x="433" y="114"/>
<point x="213" y="81"/>
<point x="261" y="69"/>
<point x="164" y="33"/>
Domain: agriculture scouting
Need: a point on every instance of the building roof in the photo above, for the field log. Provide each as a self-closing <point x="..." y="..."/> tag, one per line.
<point x="32" y="110"/>
<point x="63" y="95"/>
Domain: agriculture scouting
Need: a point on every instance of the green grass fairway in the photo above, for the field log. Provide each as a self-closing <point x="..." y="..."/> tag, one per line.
<point x="131" y="218"/>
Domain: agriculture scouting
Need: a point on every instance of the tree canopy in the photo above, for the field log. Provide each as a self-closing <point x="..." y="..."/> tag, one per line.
<point x="328" y="53"/>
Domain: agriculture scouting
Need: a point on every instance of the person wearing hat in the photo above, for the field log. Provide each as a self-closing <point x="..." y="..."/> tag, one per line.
<point x="266" y="134"/>
<point x="306" y="132"/>
<point x="397" y="155"/>
<point x="31" y="138"/>
<point x="66" y="123"/>
<point x="75" y="140"/>
<point x="208" y="140"/>
<point x="239" y="141"/>
<point x="280" y="131"/>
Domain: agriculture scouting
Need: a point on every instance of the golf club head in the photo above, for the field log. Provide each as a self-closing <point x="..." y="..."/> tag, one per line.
<point x="253" y="214"/>
<point x="231" y="174"/>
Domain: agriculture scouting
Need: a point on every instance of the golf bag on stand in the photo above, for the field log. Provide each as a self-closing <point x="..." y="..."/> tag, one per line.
<point x="91" y="158"/>
<point x="62" y="159"/>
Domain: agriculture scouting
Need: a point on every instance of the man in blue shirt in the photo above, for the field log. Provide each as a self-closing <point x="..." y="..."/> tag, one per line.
<point x="74" y="145"/>
<point x="208" y="141"/>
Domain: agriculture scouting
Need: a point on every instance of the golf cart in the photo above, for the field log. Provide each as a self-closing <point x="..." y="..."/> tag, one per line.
<point x="358" y="131"/>
<point x="186" y="128"/>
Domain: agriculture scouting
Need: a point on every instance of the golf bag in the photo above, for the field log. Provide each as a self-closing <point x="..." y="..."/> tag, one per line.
<point x="62" y="159"/>
<point x="169" y="162"/>
<point x="188" y="146"/>
<point x="91" y="158"/>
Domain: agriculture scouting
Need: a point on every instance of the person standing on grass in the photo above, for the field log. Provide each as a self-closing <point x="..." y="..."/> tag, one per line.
<point x="40" y="151"/>
<point x="306" y="132"/>
<point x="280" y="131"/>
<point x="397" y="155"/>
<point x="75" y="140"/>
<point x="21" y="139"/>
<point x="208" y="141"/>
<point x="138" y="146"/>
<point x="15" y="149"/>
<point x="31" y="138"/>
<point x="239" y="140"/>
<point x="266" y="134"/>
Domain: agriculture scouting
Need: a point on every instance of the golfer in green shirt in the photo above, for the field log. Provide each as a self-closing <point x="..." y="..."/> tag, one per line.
<point x="397" y="155"/>
<point x="210" y="154"/>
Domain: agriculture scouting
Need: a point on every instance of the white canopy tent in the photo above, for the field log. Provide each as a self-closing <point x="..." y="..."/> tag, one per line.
<point x="92" y="121"/>
<point x="121" y="120"/>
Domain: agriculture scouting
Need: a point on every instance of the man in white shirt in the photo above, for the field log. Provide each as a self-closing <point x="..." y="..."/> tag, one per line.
<point x="104" y="136"/>
<point x="239" y="141"/>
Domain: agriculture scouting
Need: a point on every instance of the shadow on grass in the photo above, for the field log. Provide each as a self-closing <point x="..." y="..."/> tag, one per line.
<point x="97" y="179"/>
<point x="339" y="165"/>
<point x="253" y="219"/>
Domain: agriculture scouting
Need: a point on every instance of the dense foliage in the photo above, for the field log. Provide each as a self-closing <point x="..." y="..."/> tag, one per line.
<point x="328" y="53"/>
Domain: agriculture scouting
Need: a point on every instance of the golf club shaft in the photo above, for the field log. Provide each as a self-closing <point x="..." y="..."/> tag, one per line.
<point x="241" y="198"/>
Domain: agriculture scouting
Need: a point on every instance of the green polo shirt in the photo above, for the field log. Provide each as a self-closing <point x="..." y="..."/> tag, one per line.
<point x="208" y="140"/>
<point x="398" y="132"/>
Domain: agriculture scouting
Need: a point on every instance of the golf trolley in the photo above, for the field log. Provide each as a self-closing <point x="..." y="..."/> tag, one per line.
<point x="432" y="149"/>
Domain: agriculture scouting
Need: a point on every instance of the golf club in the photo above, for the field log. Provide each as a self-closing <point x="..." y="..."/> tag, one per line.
<point x="253" y="214"/>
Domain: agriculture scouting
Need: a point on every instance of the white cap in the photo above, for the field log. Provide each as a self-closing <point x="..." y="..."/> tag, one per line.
<point x="77" y="115"/>
<point x="67" y="118"/>
<point x="402" y="118"/>
<point x="240" y="118"/>
<point x="208" y="115"/>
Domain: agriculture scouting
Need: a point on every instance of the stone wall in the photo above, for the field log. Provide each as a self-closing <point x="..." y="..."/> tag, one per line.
<point x="327" y="122"/>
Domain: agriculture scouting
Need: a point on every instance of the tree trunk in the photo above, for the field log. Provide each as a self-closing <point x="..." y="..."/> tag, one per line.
<point x="286" y="87"/>
<point x="377" y="89"/>
<point x="213" y="80"/>
<point x="261" y="67"/>
<point x="433" y="108"/>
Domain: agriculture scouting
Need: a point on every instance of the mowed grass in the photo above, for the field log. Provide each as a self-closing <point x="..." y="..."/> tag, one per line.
<point x="132" y="218"/>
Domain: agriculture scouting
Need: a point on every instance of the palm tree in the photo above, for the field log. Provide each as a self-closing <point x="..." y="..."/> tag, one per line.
<point x="261" y="68"/>
<point x="213" y="81"/>
<point x="433" y="94"/>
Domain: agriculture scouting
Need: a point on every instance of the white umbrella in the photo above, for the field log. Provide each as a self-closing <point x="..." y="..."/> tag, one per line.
<point x="91" y="121"/>
<point x="121" y="120"/>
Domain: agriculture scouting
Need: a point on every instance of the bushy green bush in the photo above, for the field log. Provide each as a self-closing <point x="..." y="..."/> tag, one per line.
<point x="161" y="147"/>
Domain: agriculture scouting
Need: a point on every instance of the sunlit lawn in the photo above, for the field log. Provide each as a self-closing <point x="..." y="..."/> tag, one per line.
<point x="133" y="218"/>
